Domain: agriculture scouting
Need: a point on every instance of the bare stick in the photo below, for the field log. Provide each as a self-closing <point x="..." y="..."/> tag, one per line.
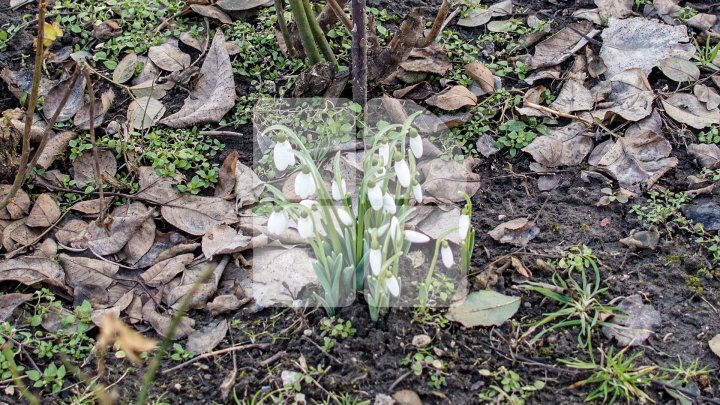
<point x="32" y="102"/>
<point x="359" y="53"/>
<point x="437" y="24"/>
<point x="572" y="117"/>
<point x="340" y="13"/>
<point x="96" y="158"/>
<point x="261" y="346"/>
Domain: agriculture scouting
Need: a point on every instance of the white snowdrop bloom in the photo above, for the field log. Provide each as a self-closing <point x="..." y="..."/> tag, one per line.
<point x="375" y="261"/>
<point x="283" y="155"/>
<point x="345" y="218"/>
<point x="394" y="228"/>
<point x="310" y="204"/>
<point x="393" y="285"/>
<point x="375" y="195"/>
<point x="384" y="152"/>
<point x="278" y="222"/>
<point x="389" y="206"/>
<point x="416" y="237"/>
<point x="447" y="255"/>
<point x="338" y="190"/>
<point x="306" y="226"/>
<point x="417" y="192"/>
<point x="402" y="171"/>
<point x="416" y="144"/>
<point x="463" y="226"/>
<point x="305" y="184"/>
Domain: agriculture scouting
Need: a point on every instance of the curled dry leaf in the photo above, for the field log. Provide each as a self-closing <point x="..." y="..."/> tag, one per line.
<point x="18" y="207"/>
<point x="446" y="180"/>
<point x="638" y="321"/>
<point x="573" y="96"/>
<point x="196" y="215"/>
<point x="31" y="270"/>
<point x="707" y="154"/>
<point x="8" y="303"/>
<point x="518" y="232"/>
<point x="561" y="45"/>
<point x="161" y="322"/>
<point x="213" y="95"/>
<point x="205" y="339"/>
<point x="631" y="97"/>
<point x="224" y="304"/>
<point x="169" y="57"/>
<point x="126" y="221"/>
<point x="141" y="243"/>
<point x="481" y="75"/>
<point x="166" y="245"/>
<point x="70" y="231"/>
<point x="226" y="176"/>
<point x="679" y="70"/>
<point x="642" y="240"/>
<point x="74" y="101"/>
<point x="432" y="59"/>
<point x="275" y="267"/>
<point x="715" y="345"/>
<point x="87" y="207"/>
<point x="125" y="69"/>
<point x="642" y="43"/>
<point x="484" y="308"/>
<point x="480" y="17"/>
<point x="55" y="147"/>
<point x="102" y="105"/>
<point x="707" y="95"/>
<point x="614" y="8"/>
<point x="44" y="213"/>
<point x="17" y="234"/>
<point x="85" y="272"/>
<point x="211" y="12"/>
<point x="454" y="98"/>
<point x="144" y="113"/>
<point x="152" y="89"/>
<point x="687" y="109"/>
<point x="222" y="240"/>
<point x="164" y="271"/>
<point x="84" y="167"/>
<point x="564" y="146"/>
<point x="133" y="344"/>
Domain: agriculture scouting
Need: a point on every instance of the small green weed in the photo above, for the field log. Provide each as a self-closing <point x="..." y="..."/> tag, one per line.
<point x="710" y="134"/>
<point x="507" y="387"/>
<point x="428" y="316"/>
<point x="53" y="377"/>
<point x="662" y="208"/>
<point x="334" y="329"/>
<point x="685" y="13"/>
<point x="517" y="134"/>
<point x="705" y="54"/>
<point x="179" y="353"/>
<point x="424" y="362"/>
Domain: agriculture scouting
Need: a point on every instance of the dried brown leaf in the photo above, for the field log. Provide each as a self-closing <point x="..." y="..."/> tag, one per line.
<point x="169" y="57"/>
<point x="687" y="109"/>
<point x="166" y="270"/>
<point x="205" y="339"/>
<point x="44" y="213"/>
<point x="73" y="104"/>
<point x="18" y="207"/>
<point x="211" y="12"/>
<point x="196" y="215"/>
<point x="454" y="98"/>
<point x="125" y="69"/>
<point x="31" y="270"/>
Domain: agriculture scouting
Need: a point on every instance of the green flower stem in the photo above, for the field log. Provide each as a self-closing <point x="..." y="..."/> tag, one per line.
<point x="306" y="35"/>
<point x="318" y="34"/>
<point x="280" y="11"/>
<point x="433" y="262"/>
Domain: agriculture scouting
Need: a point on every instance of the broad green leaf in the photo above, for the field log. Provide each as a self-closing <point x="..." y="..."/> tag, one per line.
<point x="484" y="308"/>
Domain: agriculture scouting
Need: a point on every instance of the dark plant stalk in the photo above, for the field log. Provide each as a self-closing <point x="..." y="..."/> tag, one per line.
<point x="318" y="34"/>
<point x="96" y="158"/>
<point x="437" y="24"/>
<point x="32" y="102"/>
<point x="280" y="12"/>
<point x="359" y="53"/>
<point x="340" y="13"/>
<point x="170" y="332"/>
<point x="306" y="35"/>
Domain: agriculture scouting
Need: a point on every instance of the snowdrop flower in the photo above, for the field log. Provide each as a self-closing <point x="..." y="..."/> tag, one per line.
<point x="305" y="226"/>
<point x="283" y="155"/>
<point x="338" y="190"/>
<point x="278" y="222"/>
<point x="463" y="225"/>
<point x="394" y="228"/>
<point x="309" y="204"/>
<point x="345" y="218"/>
<point x="384" y="151"/>
<point x="447" y="255"/>
<point x="305" y="184"/>
<point x="389" y="206"/>
<point x="417" y="191"/>
<point x="375" y="258"/>
<point x="416" y="237"/>
<point x="416" y="144"/>
<point x="393" y="285"/>
<point x="375" y="195"/>
<point x="402" y="171"/>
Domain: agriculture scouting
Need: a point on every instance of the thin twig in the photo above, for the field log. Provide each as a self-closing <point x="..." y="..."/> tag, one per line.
<point x="249" y="346"/>
<point x="570" y="116"/>
<point x="340" y="13"/>
<point x="19" y="250"/>
<point x="96" y="159"/>
<point x="438" y="24"/>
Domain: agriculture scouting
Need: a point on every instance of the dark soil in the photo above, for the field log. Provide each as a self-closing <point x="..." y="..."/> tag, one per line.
<point x="369" y="363"/>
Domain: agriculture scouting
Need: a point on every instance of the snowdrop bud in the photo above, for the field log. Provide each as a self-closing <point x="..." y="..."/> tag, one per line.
<point x="417" y="191"/>
<point x="345" y="218"/>
<point x="375" y="195"/>
<point x="394" y="228"/>
<point x="393" y="285"/>
<point x="463" y="226"/>
<point x="416" y="144"/>
<point x="310" y="204"/>
<point x="338" y="190"/>
<point x="447" y="255"/>
<point x="375" y="258"/>
<point x="384" y="151"/>
<point x="402" y="171"/>
<point x="416" y="237"/>
<point x="305" y="184"/>
<point x="389" y="204"/>
<point x="278" y="221"/>
<point x="305" y="226"/>
<point x="282" y="154"/>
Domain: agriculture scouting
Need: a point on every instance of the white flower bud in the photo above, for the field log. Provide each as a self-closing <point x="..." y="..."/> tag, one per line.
<point x="278" y="222"/>
<point x="417" y="192"/>
<point x="463" y="226"/>
<point x="345" y="218"/>
<point x="394" y="228"/>
<point x="305" y="226"/>
<point x="447" y="255"/>
<point x="416" y="237"/>
<point x="338" y="191"/>
<point x="283" y="155"/>
<point x="416" y="143"/>
<point x="384" y="152"/>
<point x="375" y="261"/>
<point x="389" y="206"/>
<point x="305" y="184"/>
<point x="402" y="171"/>
<point x="375" y="196"/>
<point x="393" y="286"/>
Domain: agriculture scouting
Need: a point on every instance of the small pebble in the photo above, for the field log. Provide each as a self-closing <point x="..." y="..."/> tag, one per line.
<point x="421" y="340"/>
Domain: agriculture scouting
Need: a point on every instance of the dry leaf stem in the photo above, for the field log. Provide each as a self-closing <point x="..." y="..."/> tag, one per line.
<point x="232" y="349"/>
<point x="570" y="116"/>
<point x="96" y="159"/>
<point x="438" y="24"/>
<point x="340" y="13"/>
<point x="32" y="103"/>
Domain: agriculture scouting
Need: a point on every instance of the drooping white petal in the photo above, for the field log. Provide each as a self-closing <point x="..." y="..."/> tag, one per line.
<point x="394" y="228"/>
<point x="345" y="218"/>
<point x="278" y="222"/>
<point x="384" y="152"/>
<point x="463" y="226"/>
<point x="305" y="185"/>
<point x="375" y="261"/>
<point x="447" y="256"/>
<point x="308" y="203"/>
<point x="403" y="173"/>
<point x="416" y="145"/>
<point x="305" y="227"/>
<point x="375" y="196"/>
<point x="416" y="237"/>
<point x="417" y="193"/>
<point x="389" y="206"/>
<point x="282" y="155"/>
<point x="393" y="286"/>
<point x="338" y="190"/>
